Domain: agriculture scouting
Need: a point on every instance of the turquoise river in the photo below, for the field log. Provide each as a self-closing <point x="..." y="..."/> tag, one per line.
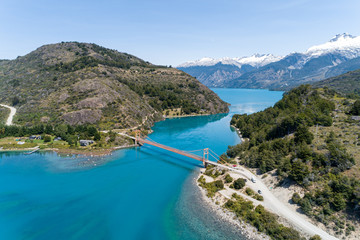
<point x="139" y="193"/>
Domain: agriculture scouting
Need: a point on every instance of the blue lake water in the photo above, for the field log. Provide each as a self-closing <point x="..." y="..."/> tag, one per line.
<point x="142" y="193"/>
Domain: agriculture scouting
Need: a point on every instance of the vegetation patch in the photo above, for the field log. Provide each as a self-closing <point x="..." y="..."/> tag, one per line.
<point x="260" y="218"/>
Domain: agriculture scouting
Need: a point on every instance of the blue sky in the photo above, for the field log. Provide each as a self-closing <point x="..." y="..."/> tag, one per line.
<point x="172" y="32"/>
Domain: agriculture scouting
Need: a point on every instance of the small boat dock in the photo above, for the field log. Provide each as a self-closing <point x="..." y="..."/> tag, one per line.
<point x="35" y="150"/>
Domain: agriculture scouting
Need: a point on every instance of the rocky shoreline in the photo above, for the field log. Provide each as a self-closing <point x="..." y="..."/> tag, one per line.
<point x="247" y="230"/>
<point x="238" y="132"/>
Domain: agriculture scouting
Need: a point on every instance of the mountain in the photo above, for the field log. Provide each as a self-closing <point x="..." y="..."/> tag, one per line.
<point x="341" y="54"/>
<point x="348" y="83"/>
<point x="80" y="83"/>
<point x="214" y="72"/>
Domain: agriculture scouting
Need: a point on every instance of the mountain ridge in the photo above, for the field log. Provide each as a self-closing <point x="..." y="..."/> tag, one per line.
<point x="316" y="63"/>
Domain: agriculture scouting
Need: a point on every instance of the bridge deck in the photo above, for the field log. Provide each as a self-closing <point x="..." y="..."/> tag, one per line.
<point x="190" y="155"/>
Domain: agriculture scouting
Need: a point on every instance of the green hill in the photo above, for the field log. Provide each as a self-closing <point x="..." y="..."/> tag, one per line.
<point x="80" y="83"/>
<point x="307" y="139"/>
<point x="348" y="83"/>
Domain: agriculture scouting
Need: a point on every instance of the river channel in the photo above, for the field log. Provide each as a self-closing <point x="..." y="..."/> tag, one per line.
<point x="138" y="193"/>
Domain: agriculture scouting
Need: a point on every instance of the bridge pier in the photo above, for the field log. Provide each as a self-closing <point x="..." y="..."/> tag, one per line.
<point x="205" y="164"/>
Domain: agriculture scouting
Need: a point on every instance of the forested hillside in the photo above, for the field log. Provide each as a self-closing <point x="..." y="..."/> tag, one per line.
<point x="309" y="138"/>
<point x="81" y="83"/>
<point x="347" y="84"/>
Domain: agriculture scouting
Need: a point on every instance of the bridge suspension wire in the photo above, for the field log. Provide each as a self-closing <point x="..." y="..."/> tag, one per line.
<point x="206" y="152"/>
<point x="213" y="156"/>
<point x="149" y="139"/>
<point x="220" y="159"/>
<point x="214" y="153"/>
<point x="195" y="150"/>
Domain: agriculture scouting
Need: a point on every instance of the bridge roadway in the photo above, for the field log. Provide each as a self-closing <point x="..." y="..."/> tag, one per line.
<point x="196" y="157"/>
<point x="187" y="154"/>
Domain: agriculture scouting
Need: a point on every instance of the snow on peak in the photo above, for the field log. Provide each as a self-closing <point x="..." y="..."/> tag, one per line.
<point x="341" y="37"/>
<point x="258" y="60"/>
<point x="342" y="43"/>
<point x="255" y="60"/>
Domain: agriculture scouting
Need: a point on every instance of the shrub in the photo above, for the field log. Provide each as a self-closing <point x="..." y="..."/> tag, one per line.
<point x="249" y="191"/>
<point x="47" y="138"/>
<point x="315" y="237"/>
<point x="228" y="178"/>
<point x="296" y="198"/>
<point x="339" y="202"/>
<point x="355" y="110"/>
<point x="258" y="197"/>
<point x="239" y="183"/>
<point x="219" y="184"/>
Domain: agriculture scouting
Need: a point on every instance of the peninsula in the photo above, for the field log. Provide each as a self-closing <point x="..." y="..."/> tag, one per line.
<point x="62" y="90"/>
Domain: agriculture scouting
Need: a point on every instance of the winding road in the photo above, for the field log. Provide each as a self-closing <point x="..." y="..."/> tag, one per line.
<point x="11" y="115"/>
<point x="273" y="204"/>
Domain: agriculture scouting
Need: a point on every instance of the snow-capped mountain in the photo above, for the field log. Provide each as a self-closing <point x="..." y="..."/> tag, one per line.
<point x="337" y="56"/>
<point x="345" y="44"/>
<point x="213" y="72"/>
<point x="255" y="60"/>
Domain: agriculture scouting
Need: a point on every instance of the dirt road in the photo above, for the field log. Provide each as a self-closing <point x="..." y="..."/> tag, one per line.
<point x="11" y="115"/>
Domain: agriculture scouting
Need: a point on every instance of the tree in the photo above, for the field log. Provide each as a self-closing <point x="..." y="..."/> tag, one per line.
<point x="15" y="100"/>
<point x="228" y="178"/>
<point x="47" y="138"/>
<point x="97" y="136"/>
<point x="339" y="202"/>
<point x="355" y="110"/>
<point x="306" y="206"/>
<point x="92" y="131"/>
<point x="48" y="129"/>
<point x="239" y="183"/>
<point x="60" y="131"/>
<point x="302" y="134"/>
<point x="299" y="171"/>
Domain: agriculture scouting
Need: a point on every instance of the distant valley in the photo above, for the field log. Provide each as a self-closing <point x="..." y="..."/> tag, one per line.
<point x="340" y="55"/>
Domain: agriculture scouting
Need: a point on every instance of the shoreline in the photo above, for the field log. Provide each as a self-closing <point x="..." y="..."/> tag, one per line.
<point x="190" y="115"/>
<point x="239" y="133"/>
<point x="249" y="231"/>
<point x="85" y="152"/>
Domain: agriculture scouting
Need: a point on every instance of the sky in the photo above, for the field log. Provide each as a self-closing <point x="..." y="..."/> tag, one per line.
<point x="173" y="32"/>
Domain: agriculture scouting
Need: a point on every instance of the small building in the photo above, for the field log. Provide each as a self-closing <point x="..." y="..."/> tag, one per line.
<point x="86" y="142"/>
<point x="33" y="137"/>
<point x="356" y="118"/>
<point x="57" y="139"/>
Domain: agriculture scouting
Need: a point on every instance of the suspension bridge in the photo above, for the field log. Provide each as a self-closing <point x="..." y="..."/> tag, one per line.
<point x="204" y="155"/>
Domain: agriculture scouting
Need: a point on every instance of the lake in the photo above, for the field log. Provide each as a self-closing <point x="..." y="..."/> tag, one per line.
<point x="138" y="193"/>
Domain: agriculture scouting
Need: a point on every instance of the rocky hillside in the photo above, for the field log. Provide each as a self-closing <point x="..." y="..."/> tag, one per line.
<point x="348" y="83"/>
<point x="79" y="83"/>
<point x="4" y="113"/>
